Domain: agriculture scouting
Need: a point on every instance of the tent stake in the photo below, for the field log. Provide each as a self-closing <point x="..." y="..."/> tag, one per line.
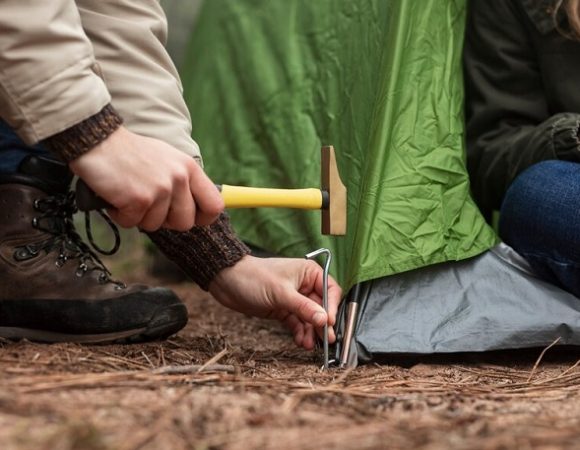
<point x="313" y="255"/>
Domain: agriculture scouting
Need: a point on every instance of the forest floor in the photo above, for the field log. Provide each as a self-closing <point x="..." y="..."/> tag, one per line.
<point x="231" y="382"/>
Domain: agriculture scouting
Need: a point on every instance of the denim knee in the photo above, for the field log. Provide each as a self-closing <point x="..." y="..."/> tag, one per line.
<point x="540" y="210"/>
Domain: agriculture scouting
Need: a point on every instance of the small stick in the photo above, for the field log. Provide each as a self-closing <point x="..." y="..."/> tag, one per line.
<point x="540" y="358"/>
<point x="148" y="360"/>
<point x="569" y="369"/>
<point x="213" y="360"/>
<point x="194" y="368"/>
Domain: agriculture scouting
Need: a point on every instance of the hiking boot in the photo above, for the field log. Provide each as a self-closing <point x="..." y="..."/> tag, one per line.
<point x="53" y="287"/>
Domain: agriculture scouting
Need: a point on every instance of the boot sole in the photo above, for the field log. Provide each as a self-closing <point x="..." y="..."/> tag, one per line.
<point x="164" y="323"/>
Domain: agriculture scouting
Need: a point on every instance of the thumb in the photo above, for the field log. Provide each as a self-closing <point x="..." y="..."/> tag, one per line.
<point x="305" y="309"/>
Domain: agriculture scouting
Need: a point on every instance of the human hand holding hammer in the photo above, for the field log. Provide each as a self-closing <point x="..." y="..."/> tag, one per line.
<point x="146" y="183"/>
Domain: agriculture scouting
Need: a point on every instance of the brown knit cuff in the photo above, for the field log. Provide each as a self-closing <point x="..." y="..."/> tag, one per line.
<point x="202" y="252"/>
<point x="80" y="138"/>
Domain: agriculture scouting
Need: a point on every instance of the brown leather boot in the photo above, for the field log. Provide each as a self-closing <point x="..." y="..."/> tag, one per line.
<point x="53" y="287"/>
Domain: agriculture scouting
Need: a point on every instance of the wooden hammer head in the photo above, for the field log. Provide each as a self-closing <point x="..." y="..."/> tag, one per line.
<point x="334" y="214"/>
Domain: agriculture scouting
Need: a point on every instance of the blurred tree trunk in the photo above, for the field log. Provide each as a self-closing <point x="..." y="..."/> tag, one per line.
<point x="181" y="15"/>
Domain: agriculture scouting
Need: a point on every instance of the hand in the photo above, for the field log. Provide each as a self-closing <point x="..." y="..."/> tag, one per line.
<point x="285" y="289"/>
<point x="150" y="183"/>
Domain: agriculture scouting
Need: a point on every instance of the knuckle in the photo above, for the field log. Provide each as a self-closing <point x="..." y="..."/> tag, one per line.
<point x="192" y="165"/>
<point x="141" y="201"/>
<point x="181" y="177"/>
<point x="163" y="190"/>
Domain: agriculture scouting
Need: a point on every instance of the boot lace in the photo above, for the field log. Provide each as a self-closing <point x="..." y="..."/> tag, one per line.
<point x="56" y="212"/>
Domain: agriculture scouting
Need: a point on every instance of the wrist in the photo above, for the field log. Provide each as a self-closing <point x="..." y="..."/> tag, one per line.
<point x="223" y="277"/>
<point x="79" y="139"/>
<point x="92" y="158"/>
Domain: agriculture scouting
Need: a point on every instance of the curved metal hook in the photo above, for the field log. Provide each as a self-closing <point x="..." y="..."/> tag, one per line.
<point x="328" y="254"/>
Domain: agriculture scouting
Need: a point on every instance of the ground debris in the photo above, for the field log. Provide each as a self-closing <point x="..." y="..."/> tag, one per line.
<point x="231" y="382"/>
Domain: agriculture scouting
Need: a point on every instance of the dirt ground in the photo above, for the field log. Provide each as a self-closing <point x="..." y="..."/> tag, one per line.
<point x="262" y="393"/>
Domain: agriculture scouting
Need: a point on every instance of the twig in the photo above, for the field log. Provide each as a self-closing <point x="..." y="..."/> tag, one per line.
<point x="194" y="368"/>
<point x="148" y="360"/>
<point x="213" y="360"/>
<point x="342" y="377"/>
<point x="493" y="374"/>
<point x="124" y="360"/>
<point x="540" y="358"/>
<point x="569" y="369"/>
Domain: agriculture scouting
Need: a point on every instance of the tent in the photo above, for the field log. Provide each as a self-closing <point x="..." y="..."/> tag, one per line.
<point x="269" y="82"/>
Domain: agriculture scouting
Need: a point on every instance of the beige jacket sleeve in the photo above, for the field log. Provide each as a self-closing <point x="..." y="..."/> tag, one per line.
<point x="129" y="39"/>
<point x="47" y="68"/>
<point x="62" y="61"/>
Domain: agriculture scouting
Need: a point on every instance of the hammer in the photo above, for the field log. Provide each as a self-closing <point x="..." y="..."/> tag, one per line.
<point x="330" y="198"/>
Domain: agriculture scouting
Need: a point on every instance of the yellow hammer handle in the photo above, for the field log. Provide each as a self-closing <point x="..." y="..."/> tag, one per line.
<point x="250" y="197"/>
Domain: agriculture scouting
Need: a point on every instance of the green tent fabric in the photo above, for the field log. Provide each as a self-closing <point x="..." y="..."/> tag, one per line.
<point x="268" y="82"/>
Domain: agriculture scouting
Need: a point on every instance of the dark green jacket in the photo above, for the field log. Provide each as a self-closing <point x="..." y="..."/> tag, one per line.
<point x="522" y="80"/>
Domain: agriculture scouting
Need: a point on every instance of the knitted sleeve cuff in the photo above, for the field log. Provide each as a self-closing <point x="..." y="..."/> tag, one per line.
<point x="82" y="137"/>
<point x="202" y="252"/>
<point x="565" y="137"/>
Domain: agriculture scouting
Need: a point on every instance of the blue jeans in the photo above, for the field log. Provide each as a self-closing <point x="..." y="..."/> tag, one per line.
<point x="540" y="219"/>
<point x="13" y="150"/>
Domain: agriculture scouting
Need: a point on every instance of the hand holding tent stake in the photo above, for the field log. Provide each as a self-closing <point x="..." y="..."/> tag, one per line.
<point x="330" y="198"/>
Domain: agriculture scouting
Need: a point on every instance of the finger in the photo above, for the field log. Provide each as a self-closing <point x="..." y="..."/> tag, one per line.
<point x="208" y="199"/>
<point x="333" y="303"/>
<point x="332" y="319"/>
<point x="309" y="339"/>
<point x="334" y="292"/>
<point x="331" y="334"/>
<point x="126" y="218"/>
<point x="310" y="332"/>
<point x="303" y="307"/>
<point x="334" y="299"/>
<point x="131" y="212"/>
<point x="181" y="214"/>
<point x="156" y="215"/>
<point x="317" y="299"/>
<point x="296" y="328"/>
